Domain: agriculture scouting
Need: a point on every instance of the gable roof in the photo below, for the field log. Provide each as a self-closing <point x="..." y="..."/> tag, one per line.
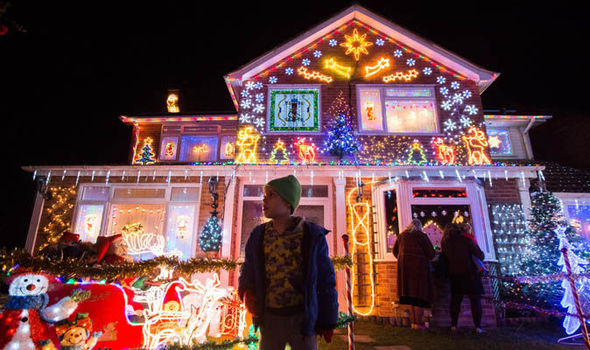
<point x="483" y="77"/>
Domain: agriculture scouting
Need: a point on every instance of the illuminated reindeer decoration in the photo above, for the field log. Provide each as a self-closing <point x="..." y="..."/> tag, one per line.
<point x="306" y="152"/>
<point x="444" y="153"/>
<point x="476" y="143"/>
<point x="248" y="143"/>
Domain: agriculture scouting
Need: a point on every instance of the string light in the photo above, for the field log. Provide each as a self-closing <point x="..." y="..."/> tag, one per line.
<point x="306" y="152"/>
<point x="407" y="76"/>
<point x="476" y="143"/>
<point x="279" y="147"/>
<point x="313" y="75"/>
<point x="381" y="64"/>
<point x="146" y="156"/>
<point x="333" y="65"/>
<point x="248" y="143"/>
<point x="356" y="44"/>
<point x="444" y="153"/>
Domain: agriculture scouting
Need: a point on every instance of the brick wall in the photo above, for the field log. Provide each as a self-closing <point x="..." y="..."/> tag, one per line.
<point x="502" y="191"/>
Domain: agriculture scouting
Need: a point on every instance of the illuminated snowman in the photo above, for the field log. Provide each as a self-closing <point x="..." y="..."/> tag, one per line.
<point x="26" y="318"/>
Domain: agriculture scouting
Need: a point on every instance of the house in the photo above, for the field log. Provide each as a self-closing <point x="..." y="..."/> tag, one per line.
<point x="409" y="139"/>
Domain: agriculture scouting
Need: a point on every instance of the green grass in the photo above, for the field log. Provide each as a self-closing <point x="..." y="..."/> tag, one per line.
<point x="528" y="336"/>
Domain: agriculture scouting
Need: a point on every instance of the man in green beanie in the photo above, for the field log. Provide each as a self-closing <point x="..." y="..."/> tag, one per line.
<point x="287" y="280"/>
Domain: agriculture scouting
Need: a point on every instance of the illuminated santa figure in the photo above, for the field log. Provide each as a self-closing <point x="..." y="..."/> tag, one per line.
<point x="25" y="321"/>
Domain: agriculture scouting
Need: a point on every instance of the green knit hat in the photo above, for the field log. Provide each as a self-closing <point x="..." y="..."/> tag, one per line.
<point x="288" y="188"/>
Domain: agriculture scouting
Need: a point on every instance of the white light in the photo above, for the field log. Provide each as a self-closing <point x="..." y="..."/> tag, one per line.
<point x="442" y="175"/>
<point x="92" y="178"/>
<point x="34" y="174"/>
<point x="425" y="176"/>
<point x="63" y="176"/>
<point x="77" y="177"/>
<point x="48" y="177"/>
<point x="138" y="175"/>
<point x="458" y="175"/>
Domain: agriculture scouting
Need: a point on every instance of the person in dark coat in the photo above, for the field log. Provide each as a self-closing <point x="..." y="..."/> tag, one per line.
<point x="287" y="280"/>
<point x="463" y="274"/>
<point x="414" y="251"/>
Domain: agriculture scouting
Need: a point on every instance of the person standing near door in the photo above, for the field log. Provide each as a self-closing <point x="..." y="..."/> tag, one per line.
<point x="287" y="280"/>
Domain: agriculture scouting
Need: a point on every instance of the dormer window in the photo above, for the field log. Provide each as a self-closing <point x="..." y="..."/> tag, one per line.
<point x="397" y="109"/>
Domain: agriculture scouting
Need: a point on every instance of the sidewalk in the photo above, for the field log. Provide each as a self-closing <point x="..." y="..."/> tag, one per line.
<point x="372" y="336"/>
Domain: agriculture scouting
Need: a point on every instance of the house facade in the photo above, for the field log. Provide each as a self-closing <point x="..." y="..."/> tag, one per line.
<point x="379" y="125"/>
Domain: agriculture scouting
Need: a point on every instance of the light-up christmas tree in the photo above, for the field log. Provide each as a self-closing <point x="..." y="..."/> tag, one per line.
<point x="341" y="139"/>
<point x="279" y="154"/>
<point x="146" y="157"/>
<point x="211" y="234"/>
<point x="416" y="154"/>
<point x="543" y="253"/>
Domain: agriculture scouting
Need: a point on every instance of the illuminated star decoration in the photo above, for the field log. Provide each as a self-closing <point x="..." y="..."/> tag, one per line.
<point x="494" y="141"/>
<point x="356" y="44"/>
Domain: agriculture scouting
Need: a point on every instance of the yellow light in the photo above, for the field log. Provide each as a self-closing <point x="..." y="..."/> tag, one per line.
<point x="370" y="110"/>
<point x="248" y="143"/>
<point x="310" y="75"/>
<point x="200" y="149"/>
<point x="444" y="153"/>
<point x="476" y="144"/>
<point x="356" y="44"/>
<point x="381" y="64"/>
<point x="334" y="66"/>
<point x="359" y="222"/>
<point x="230" y="149"/>
<point x="494" y="141"/>
<point x="408" y="76"/>
<point x="172" y="103"/>
<point x="279" y="146"/>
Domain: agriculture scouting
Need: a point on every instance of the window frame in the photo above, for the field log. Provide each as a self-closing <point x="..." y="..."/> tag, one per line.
<point x="384" y="98"/>
<point x="404" y="188"/>
<point x="274" y="87"/>
<point x="165" y="200"/>
<point x="512" y="153"/>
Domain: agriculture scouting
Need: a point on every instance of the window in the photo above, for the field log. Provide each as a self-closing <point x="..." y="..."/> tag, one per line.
<point x="294" y="109"/>
<point x="198" y="149"/>
<point x="168" y="148"/>
<point x="408" y="110"/>
<point x="154" y="220"/>
<point x="499" y="141"/>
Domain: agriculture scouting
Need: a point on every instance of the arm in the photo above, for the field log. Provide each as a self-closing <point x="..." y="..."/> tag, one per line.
<point x="326" y="289"/>
<point x="475" y="251"/>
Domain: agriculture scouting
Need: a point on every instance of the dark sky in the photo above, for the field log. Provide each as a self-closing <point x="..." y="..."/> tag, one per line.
<point x="81" y="65"/>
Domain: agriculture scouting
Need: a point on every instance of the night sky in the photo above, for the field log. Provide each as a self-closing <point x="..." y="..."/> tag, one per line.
<point x="80" y="65"/>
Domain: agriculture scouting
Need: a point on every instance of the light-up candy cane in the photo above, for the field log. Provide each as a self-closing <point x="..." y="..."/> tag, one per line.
<point x="576" y="298"/>
<point x="350" y="325"/>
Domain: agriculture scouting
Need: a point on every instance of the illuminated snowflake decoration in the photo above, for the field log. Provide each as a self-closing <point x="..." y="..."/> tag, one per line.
<point x="450" y="125"/>
<point x="410" y="62"/>
<point x="272" y="79"/>
<point x="471" y="109"/>
<point x="245" y="118"/>
<point x="467" y="94"/>
<point x="289" y="71"/>
<point x="440" y="80"/>
<point x="259" y="122"/>
<point x="427" y="71"/>
<point x="259" y="97"/>
<point x="333" y="42"/>
<point x="245" y="94"/>
<point x="306" y="62"/>
<point x="458" y="98"/>
<point x="465" y="121"/>
<point x="259" y="108"/>
<point x="246" y="103"/>
<point x="397" y="53"/>
<point x="444" y="90"/>
<point x="258" y="85"/>
<point x="317" y="54"/>
<point x="379" y="42"/>
<point x="454" y="85"/>
<point x="446" y="105"/>
<point x="250" y="85"/>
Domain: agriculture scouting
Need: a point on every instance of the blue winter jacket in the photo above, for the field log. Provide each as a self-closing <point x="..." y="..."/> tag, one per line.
<point x="320" y="296"/>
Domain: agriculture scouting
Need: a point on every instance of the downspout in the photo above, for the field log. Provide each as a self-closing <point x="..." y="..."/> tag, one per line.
<point x="527" y="141"/>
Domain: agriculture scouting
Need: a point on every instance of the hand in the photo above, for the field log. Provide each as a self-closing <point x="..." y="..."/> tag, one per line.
<point x="327" y="334"/>
<point x="250" y="301"/>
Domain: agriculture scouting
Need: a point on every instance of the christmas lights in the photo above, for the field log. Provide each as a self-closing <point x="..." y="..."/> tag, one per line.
<point x="306" y="152"/>
<point x="381" y="65"/>
<point x="139" y="242"/>
<point x="146" y="157"/>
<point x="416" y="154"/>
<point x="337" y="68"/>
<point x="279" y="147"/>
<point x="356" y="44"/>
<point x="476" y="143"/>
<point x="172" y="103"/>
<point x="444" y="153"/>
<point x="248" y="143"/>
<point x="313" y="75"/>
<point x="407" y="76"/>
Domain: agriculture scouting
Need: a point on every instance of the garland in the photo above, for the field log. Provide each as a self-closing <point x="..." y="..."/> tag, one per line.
<point x="72" y="268"/>
<point x="344" y="320"/>
<point x="212" y="345"/>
